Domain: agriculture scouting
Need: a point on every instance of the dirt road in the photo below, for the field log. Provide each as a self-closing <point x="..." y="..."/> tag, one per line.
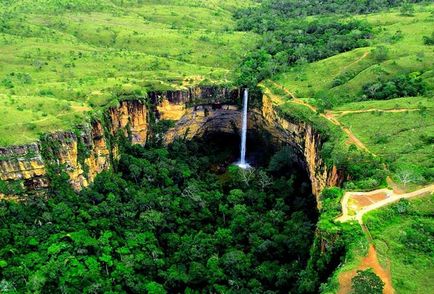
<point x="330" y="117"/>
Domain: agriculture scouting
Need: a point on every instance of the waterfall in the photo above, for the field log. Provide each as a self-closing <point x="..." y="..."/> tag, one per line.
<point x="242" y="163"/>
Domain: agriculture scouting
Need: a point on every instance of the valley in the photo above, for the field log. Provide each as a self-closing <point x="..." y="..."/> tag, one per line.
<point x="123" y="130"/>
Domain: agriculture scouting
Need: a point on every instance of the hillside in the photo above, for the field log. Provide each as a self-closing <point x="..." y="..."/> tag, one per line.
<point x="397" y="129"/>
<point x="59" y="61"/>
<point x="216" y="146"/>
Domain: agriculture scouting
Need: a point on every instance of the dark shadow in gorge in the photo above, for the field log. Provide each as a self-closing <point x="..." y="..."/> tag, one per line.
<point x="173" y="218"/>
<point x="223" y="149"/>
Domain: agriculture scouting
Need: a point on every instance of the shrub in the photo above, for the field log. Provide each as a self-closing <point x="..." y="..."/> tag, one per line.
<point x="407" y="9"/>
<point x="367" y="282"/>
<point x="400" y="86"/>
<point x="429" y="40"/>
<point x="380" y="53"/>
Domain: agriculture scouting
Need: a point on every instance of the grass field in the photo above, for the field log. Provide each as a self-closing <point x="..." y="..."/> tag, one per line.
<point x="401" y="35"/>
<point x="403" y="138"/>
<point x="75" y="57"/>
<point x="403" y="235"/>
<point x="398" y="103"/>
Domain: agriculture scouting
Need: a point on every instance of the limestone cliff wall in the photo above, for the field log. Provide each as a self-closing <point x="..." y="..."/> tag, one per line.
<point x="23" y="163"/>
<point x="88" y="151"/>
<point x="196" y="121"/>
<point x="306" y="140"/>
<point x="173" y="105"/>
<point x="82" y="154"/>
<point x="130" y="116"/>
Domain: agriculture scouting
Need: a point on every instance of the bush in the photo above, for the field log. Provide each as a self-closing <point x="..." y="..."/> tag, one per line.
<point x="407" y="9"/>
<point x="380" y="53"/>
<point x="367" y="282"/>
<point x="401" y="86"/>
<point x="429" y="40"/>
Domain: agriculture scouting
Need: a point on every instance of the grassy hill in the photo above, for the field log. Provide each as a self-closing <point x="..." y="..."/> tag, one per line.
<point x="60" y="59"/>
<point x="402" y="234"/>
<point x="399" y="130"/>
<point x="340" y="79"/>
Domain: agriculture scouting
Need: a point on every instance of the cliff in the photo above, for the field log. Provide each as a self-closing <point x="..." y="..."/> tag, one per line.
<point x="196" y="121"/>
<point x="82" y="154"/>
<point x="306" y="140"/>
<point x="87" y="151"/>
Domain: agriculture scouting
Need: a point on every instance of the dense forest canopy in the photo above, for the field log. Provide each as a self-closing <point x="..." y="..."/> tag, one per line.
<point x="272" y="10"/>
<point x="163" y="221"/>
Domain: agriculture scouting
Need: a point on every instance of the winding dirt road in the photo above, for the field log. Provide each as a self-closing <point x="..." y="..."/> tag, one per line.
<point x="364" y="202"/>
<point x="329" y="116"/>
<point x="370" y="261"/>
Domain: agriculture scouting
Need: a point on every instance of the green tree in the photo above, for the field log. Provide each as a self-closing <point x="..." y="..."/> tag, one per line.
<point x="407" y="9"/>
<point x="380" y="53"/>
<point x="367" y="282"/>
<point x="155" y="288"/>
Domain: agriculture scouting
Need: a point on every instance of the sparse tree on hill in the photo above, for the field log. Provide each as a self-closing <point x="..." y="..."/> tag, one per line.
<point x="407" y="9"/>
<point x="407" y="176"/>
<point x="367" y="282"/>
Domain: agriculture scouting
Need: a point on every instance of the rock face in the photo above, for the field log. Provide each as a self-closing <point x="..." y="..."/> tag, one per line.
<point x="23" y="163"/>
<point x="89" y="150"/>
<point x="196" y="121"/>
<point x="130" y="116"/>
<point x="306" y="140"/>
<point x="82" y="154"/>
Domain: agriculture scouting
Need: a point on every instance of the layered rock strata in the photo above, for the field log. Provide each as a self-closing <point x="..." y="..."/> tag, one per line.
<point x="89" y="150"/>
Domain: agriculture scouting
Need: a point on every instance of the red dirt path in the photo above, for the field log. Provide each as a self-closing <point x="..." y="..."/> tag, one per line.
<point x="370" y="261"/>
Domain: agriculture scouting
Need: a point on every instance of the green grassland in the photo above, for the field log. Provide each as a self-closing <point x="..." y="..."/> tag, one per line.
<point x="401" y="35"/>
<point x="58" y="57"/>
<point x="403" y="234"/>
<point x="402" y="139"/>
<point x="398" y="103"/>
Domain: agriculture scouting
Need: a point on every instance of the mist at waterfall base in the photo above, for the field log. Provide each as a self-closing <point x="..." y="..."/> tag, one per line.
<point x="242" y="163"/>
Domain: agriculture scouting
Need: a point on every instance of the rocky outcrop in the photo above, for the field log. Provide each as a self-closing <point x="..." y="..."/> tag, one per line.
<point x="89" y="150"/>
<point x="86" y="152"/>
<point x="130" y="118"/>
<point x="196" y="96"/>
<point x="196" y="121"/>
<point x="23" y="163"/>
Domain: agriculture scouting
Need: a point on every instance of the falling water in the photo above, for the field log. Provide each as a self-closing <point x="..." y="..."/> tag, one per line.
<point x="242" y="163"/>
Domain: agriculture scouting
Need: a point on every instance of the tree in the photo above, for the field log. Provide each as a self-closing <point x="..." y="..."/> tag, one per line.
<point x="380" y="53"/>
<point x="255" y="67"/>
<point x="264" y="180"/>
<point x="246" y="175"/>
<point x="155" y="288"/>
<point x="407" y="176"/>
<point x="407" y="9"/>
<point x="367" y="282"/>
